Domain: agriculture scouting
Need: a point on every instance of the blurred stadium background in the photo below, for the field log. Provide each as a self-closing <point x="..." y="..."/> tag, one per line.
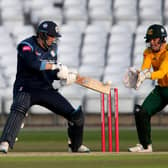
<point x="100" y="38"/>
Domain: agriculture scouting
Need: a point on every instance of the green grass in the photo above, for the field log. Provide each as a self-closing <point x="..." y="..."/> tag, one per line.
<point x="51" y="140"/>
<point x="87" y="161"/>
<point x="56" y="140"/>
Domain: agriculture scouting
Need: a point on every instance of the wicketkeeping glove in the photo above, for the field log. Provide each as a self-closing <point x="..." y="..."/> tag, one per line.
<point x="130" y="77"/>
<point x="145" y="74"/>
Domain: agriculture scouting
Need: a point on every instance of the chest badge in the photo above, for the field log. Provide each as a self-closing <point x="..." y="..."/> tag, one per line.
<point x="37" y="53"/>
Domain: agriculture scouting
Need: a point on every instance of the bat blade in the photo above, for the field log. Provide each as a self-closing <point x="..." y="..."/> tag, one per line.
<point x="93" y="84"/>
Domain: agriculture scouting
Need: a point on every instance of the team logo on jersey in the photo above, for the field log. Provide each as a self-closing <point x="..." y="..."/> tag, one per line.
<point x="37" y="53"/>
<point x="26" y="48"/>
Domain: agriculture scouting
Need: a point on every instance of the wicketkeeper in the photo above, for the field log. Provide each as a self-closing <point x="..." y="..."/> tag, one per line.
<point x="156" y="57"/>
<point x="37" y="68"/>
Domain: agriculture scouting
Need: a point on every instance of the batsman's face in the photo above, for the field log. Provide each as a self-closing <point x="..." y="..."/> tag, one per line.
<point x="51" y="40"/>
<point x="155" y="44"/>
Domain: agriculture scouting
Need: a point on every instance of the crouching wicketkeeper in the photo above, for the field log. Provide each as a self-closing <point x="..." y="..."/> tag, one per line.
<point x="155" y="56"/>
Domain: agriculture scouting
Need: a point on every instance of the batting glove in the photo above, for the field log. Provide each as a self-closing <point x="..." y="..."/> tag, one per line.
<point x="63" y="72"/>
<point x="71" y="78"/>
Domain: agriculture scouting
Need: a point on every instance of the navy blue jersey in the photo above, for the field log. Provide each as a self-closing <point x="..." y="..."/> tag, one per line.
<point x="31" y="71"/>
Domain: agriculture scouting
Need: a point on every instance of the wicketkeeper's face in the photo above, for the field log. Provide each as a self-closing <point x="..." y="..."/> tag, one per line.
<point x="155" y="44"/>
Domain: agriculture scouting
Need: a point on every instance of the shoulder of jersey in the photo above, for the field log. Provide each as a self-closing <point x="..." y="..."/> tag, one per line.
<point x="27" y="45"/>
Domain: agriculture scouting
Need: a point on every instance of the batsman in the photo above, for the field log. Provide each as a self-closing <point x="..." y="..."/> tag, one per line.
<point x="154" y="67"/>
<point x="37" y="68"/>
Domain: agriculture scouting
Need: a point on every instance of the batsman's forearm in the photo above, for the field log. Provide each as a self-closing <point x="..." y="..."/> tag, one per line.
<point x="48" y="66"/>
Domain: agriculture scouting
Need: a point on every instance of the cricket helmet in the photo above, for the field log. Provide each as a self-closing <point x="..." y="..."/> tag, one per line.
<point x="156" y="31"/>
<point x="48" y="28"/>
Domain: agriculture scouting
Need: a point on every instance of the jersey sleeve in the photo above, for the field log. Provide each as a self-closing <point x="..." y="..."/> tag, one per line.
<point x="26" y="52"/>
<point x="146" y="60"/>
<point x="162" y="71"/>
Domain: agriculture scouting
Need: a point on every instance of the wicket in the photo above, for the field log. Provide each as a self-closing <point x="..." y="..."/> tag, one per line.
<point x="109" y="104"/>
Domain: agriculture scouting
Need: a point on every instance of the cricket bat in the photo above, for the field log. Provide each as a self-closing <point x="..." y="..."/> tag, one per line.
<point x="93" y="84"/>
